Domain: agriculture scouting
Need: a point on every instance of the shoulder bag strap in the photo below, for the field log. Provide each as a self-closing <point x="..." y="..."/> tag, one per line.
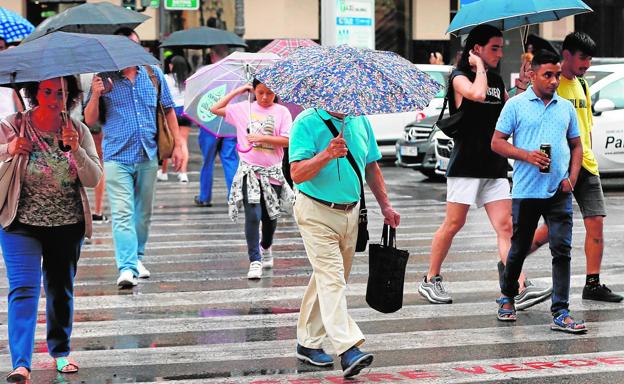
<point x="154" y="80"/>
<point x="334" y="132"/>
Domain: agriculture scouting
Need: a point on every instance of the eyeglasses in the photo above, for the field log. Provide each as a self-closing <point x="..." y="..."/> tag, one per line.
<point x="48" y="92"/>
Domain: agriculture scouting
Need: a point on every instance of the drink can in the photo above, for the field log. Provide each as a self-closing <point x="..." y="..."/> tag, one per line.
<point x="545" y="149"/>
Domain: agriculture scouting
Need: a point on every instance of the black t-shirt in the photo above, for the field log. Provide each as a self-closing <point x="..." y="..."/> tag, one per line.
<point x="472" y="155"/>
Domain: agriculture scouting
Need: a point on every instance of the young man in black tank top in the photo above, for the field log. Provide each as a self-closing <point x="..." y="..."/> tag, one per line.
<point x="475" y="174"/>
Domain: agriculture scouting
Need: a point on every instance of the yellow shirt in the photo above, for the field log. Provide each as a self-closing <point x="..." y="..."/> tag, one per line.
<point x="573" y="91"/>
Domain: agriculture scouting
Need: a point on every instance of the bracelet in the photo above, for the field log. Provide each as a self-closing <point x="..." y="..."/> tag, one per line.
<point x="569" y="182"/>
<point x="482" y="72"/>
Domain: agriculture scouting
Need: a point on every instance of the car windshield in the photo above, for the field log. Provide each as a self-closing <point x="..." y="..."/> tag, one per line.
<point x="442" y="78"/>
<point x="593" y="77"/>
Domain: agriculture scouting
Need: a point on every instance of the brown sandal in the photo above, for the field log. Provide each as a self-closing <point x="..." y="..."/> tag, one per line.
<point x="19" y="375"/>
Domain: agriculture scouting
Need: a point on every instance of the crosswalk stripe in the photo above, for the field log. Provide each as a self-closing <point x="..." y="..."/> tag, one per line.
<point x="186" y="242"/>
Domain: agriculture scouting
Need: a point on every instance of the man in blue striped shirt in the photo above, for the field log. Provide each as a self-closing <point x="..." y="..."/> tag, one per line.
<point x="130" y="156"/>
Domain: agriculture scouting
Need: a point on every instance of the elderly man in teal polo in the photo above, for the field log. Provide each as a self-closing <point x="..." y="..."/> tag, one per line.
<point x="326" y="211"/>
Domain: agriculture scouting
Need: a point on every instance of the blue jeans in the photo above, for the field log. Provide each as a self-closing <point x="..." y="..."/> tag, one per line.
<point x="209" y="145"/>
<point x="557" y="212"/>
<point x="254" y="215"/>
<point x="130" y="191"/>
<point x="23" y="247"/>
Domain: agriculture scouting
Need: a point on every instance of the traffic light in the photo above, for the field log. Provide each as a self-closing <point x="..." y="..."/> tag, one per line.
<point x="130" y="4"/>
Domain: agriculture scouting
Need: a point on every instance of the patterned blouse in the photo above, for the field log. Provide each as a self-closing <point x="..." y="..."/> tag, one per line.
<point x="50" y="191"/>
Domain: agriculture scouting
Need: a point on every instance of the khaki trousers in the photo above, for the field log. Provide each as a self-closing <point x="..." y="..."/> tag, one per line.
<point x="329" y="236"/>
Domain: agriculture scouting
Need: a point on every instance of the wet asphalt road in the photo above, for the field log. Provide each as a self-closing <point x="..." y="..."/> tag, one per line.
<point x="198" y="319"/>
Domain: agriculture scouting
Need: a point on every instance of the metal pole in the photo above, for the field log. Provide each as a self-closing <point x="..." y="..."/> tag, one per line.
<point x="161" y="33"/>
<point x="202" y="22"/>
<point x="239" y="24"/>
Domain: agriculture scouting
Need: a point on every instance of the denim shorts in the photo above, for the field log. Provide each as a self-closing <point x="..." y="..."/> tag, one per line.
<point x="588" y="194"/>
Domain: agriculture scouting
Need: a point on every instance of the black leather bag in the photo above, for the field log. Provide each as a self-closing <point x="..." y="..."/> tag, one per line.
<point x="362" y="237"/>
<point x="386" y="273"/>
<point x="451" y="126"/>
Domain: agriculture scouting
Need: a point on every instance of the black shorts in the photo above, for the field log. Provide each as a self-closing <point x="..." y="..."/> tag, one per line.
<point x="588" y="194"/>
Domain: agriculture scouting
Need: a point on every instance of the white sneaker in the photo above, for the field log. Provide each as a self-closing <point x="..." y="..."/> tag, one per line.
<point x="183" y="178"/>
<point x="126" y="279"/>
<point x="266" y="256"/>
<point x="160" y="176"/>
<point x="144" y="273"/>
<point x="255" y="270"/>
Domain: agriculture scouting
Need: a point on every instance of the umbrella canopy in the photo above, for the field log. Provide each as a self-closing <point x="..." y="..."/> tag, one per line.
<point x="202" y="37"/>
<point x="13" y="27"/>
<point x="284" y="47"/>
<point x="540" y="43"/>
<point x="510" y="14"/>
<point x="353" y="81"/>
<point x="96" y="18"/>
<point x="214" y="81"/>
<point x="63" y="53"/>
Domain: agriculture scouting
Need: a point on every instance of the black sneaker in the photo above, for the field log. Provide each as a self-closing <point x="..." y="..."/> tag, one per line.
<point x="600" y="293"/>
<point x="200" y="203"/>
<point x="99" y="219"/>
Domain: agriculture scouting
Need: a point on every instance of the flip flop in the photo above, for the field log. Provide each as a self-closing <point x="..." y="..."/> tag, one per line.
<point x="16" y="376"/>
<point x="66" y="365"/>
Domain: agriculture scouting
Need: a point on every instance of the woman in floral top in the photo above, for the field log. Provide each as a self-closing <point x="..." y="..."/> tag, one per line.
<point x="45" y="217"/>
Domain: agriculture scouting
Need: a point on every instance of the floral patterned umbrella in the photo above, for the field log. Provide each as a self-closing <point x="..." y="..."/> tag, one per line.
<point x="353" y="81"/>
<point x="284" y="47"/>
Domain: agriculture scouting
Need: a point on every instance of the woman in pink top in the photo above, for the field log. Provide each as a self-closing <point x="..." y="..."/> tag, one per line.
<point x="262" y="130"/>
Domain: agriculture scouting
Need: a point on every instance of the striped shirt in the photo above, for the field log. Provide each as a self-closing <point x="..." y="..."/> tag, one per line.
<point x="130" y="127"/>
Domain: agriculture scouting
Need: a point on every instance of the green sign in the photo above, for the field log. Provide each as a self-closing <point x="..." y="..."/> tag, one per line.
<point x="154" y="3"/>
<point x="181" y="4"/>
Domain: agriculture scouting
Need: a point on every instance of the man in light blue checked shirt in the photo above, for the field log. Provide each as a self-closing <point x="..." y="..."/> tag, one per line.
<point x="130" y="156"/>
<point x="542" y="185"/>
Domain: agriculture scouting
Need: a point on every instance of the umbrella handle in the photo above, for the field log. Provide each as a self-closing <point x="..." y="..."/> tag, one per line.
<point x="243" y="150"/>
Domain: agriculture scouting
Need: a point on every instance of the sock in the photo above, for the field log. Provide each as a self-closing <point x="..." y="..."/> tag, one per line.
<point x="592" y="279"/>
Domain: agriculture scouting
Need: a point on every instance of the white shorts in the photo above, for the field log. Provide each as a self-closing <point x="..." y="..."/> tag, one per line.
<point x="470" y="190"/>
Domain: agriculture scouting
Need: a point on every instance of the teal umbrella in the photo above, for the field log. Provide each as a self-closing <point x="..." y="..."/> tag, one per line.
<point x="510" y="14"/>
<point x="202" y="37"/>
<point x="96" y="18"/>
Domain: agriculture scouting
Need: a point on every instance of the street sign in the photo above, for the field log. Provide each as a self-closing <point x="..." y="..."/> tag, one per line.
<point x="154" y="3"/>
<point x="182" y="5"/>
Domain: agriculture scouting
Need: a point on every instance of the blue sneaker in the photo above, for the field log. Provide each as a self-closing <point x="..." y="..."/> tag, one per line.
<point x="353" y="361"/>
<point x="316" y="357"/>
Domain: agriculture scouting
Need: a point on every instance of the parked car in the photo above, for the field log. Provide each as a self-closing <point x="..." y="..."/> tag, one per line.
<point x="416" y="149"/>
<point x="389" y="128"/>
<point x="606" y="88"/>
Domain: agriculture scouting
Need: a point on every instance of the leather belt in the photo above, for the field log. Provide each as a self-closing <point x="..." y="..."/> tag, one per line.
<point x="343" y="207"/>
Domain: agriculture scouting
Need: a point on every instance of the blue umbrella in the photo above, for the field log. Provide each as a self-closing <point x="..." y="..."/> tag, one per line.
<point x="353" y="81"/>
<point x="510" y="14"/>
<point x="96" y="18"/>
<point x="202" y="37"/>
<point x="62" y="53"/>
<point x="13" y="27"/>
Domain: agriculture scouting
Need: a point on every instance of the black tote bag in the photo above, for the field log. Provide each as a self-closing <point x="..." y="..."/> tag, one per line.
<point x="386" y="274"/>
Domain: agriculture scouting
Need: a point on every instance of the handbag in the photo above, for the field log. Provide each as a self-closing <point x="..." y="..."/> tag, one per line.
<point x="386" y="273"/>
<point x="450" y="126"/>
<point x="362" y="236"/>
<point x="8" y="168"/>
<point x="164" y="136"/>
